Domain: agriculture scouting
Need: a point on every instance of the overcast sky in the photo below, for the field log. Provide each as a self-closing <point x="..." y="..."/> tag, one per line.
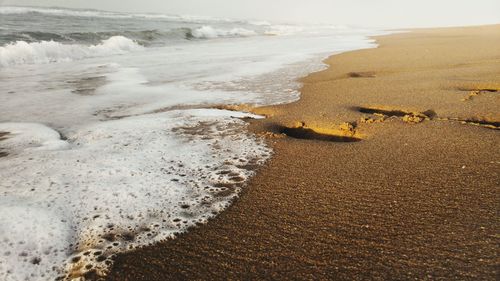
<point x="379" y="13"/>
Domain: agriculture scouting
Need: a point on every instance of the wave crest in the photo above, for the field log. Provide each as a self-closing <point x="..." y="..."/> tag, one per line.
<point x="19" y="10"/>
<point x="208" y="32"/>
<point x="16" y="10"/>
<point x="22" y="52"/>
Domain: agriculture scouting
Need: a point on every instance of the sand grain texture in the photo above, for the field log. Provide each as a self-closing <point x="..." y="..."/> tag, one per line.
<point x="417" y="197"/>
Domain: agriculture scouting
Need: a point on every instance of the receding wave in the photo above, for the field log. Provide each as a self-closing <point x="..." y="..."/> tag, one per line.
<point x="42" y="52"/>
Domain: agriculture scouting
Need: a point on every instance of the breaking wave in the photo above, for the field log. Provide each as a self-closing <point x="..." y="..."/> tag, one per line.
<point x="208" y="32"/>
<point x="143" y="37"/>
<point x="22" y="52"/>
<point x="18" y="10"/>
<point x="48" y="47"/>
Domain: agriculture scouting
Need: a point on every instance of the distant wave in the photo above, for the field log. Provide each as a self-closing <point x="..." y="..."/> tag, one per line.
<point x="43" y="52"/>
<point x="208" y="32"/>
<point x="13" y="10"/>
<point x="56" y="11"/>
<point x="144" y="37"/>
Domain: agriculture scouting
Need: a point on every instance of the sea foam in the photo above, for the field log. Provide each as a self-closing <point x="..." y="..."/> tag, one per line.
<point x="68" y="206"/>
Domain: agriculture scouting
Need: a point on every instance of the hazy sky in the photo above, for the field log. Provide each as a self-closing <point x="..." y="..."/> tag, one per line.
<point x="386" y="13"/>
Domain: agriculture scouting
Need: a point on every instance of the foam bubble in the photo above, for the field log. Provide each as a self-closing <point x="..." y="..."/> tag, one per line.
<point x="33" y="241"/>
<point x="115" y="186"/>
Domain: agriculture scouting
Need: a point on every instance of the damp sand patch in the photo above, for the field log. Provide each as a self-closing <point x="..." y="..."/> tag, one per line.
<point x="3" y="136"/>
<point x="87" y="86"/>
<point x="367" y="74"/>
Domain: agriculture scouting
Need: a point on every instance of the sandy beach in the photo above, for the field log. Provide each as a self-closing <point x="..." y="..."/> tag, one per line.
<point x="387" y="168"/>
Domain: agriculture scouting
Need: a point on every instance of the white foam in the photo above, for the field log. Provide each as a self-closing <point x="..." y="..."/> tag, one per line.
<point x="42" y="52"/>
<point x="33" y="240"/>
<point x="284" y="29"/>
<point x="113" y="190"/>
<point x="259" y="22"/>
<point x="208" y="32"/>
<point x="25" y="137"/>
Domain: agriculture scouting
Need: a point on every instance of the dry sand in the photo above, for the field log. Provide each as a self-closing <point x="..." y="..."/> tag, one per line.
<point x="417" y="197"/>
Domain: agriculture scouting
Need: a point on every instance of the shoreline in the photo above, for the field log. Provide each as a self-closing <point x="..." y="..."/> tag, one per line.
<point x="413" y="197"/>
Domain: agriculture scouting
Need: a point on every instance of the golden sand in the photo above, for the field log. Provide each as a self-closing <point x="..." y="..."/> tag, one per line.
<point x="387" y="168"/>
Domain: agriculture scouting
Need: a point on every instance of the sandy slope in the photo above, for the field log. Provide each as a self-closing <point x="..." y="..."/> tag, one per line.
<point x="417" y="196"/>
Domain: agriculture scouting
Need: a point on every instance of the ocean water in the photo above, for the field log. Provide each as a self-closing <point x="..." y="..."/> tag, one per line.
<point x="109" y="131"/>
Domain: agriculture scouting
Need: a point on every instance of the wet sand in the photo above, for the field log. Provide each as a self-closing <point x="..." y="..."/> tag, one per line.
<point x="3" y="136"/>
<point x="387" y="168"/>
